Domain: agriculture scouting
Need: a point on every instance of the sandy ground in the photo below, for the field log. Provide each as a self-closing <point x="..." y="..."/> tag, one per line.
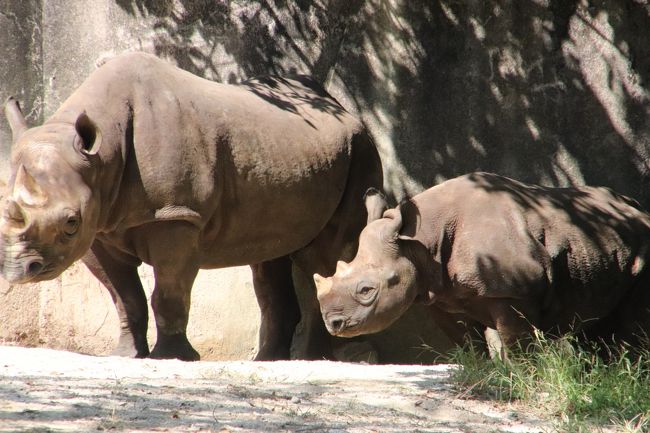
<point x="43" y="390"/>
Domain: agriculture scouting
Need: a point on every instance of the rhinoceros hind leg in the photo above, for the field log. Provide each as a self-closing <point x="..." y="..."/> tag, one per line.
<point x="123" y="284"/>
<point x="629" y="322"/>
<point x="278" y="304"/>
<point x="514" y="322"/>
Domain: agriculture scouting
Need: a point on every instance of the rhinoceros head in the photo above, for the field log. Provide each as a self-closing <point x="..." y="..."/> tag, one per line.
<point x="48" y="216"/>
<point x="375" y="288"/>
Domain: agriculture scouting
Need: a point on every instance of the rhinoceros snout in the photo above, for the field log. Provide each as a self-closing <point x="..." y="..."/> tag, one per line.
<point x="18" y="272"/>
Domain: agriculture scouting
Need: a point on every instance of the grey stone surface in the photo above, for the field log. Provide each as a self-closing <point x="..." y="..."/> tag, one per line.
<point x="21" y="66"/>
<point x="547" y="91"/>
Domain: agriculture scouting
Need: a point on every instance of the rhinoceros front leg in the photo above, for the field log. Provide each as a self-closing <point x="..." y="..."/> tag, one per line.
<point x="514" y="322"/>
<point x="495" y="346"/>
<point x="123" y="283"/>
<point x="172" y="250"/>
<point x="459" y="328"/>
<point x="311" y="339"/>
<point x="279" y="308"/>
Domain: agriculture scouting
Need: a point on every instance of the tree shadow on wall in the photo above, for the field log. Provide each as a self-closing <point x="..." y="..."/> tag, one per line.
<point x="261" y="37"/>
<point x="542" y="94"/>
<point x="552" y="94"/>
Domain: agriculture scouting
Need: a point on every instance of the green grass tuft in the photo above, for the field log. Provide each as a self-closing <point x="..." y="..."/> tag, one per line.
<point x="574" y="383"/>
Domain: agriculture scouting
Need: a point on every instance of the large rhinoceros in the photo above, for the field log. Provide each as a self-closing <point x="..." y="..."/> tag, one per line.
<point x="145" y="162"/>
<point x="502" y="255"/>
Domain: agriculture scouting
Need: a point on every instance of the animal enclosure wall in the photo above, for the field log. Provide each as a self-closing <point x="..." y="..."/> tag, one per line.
<point x="546" y="91"/>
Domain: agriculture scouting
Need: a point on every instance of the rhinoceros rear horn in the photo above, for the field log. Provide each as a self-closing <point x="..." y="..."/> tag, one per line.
<point x="341" y="267"/>
<point x="89" y="135"/>
<point x="13" y="213"/>
<point x="15" y="118"/>
<point x="26" y="190"/>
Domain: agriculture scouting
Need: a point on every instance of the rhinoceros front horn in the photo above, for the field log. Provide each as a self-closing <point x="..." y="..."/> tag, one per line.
<point x="15" y="118"/>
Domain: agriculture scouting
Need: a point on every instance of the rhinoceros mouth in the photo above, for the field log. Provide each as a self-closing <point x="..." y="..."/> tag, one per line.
<point x="18" y="277"/>
<point x="347" y="329"/>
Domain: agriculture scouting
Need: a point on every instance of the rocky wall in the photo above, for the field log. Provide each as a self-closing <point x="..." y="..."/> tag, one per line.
<point x="554" y="92"/>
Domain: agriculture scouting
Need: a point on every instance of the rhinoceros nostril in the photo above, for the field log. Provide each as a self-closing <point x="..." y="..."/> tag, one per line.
<point x="34" y="267"/>
<point x="336" y="324"/>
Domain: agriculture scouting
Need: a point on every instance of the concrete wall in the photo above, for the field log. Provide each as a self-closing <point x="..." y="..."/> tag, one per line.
<point x="554" y="92"/>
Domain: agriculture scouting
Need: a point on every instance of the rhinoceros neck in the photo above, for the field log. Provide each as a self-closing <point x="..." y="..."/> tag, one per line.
<point x="107" y="102"/>
<point x="431" y="225"/>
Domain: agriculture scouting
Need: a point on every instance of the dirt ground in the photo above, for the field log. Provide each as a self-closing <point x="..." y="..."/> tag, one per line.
<point x="43" y="390"/>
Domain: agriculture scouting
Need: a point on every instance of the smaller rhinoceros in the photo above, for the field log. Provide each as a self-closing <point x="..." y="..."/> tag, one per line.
<point x="503" y="254"/>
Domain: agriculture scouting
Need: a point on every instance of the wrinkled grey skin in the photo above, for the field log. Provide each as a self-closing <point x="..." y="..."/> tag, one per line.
<point x="147" y="163"/>
<point x="500" y="255"/>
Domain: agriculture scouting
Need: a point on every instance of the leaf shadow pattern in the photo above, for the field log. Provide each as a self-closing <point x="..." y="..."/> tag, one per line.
<point x="258" y="36"/>
<point x="552" y="93"/>
<point x="497" y="87"/>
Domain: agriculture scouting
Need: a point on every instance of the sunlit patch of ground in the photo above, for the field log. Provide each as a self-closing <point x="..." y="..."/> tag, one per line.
<point x="44" y="390"/>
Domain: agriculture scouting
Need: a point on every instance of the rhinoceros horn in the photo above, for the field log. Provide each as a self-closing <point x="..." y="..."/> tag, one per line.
<point x="26" y="189"/>
<point x="341" y="267"/>
<point x="13" y="213"/>
<point x="15" y="117"/>
<point x="323" y="285"/>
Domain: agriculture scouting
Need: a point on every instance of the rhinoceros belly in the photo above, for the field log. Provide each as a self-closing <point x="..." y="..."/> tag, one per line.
<point x="264" y="220"/>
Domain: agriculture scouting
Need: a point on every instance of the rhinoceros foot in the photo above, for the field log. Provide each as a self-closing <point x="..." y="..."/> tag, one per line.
<point x="128" y="347"/>
<point x="174" y="346"/>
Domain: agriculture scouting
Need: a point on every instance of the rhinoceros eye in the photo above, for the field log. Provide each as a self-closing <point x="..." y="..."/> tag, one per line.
<point x="71" y="225"/>
<point x="364" y="291"/>
<point x="366" y="294"/>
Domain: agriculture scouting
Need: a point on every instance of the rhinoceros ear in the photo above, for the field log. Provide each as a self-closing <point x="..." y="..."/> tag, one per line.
<point x="394" y="225"/>
<point x="90" y="137"/>
<point x="375" y="204"/>
<point x="26" y="190"/>
<point x="15" y="118"/>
